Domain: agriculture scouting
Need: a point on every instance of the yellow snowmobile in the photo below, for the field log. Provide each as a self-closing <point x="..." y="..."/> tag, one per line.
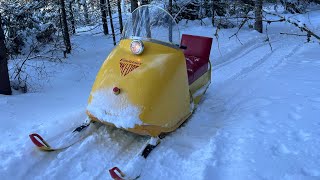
<point x="150" y="83"/>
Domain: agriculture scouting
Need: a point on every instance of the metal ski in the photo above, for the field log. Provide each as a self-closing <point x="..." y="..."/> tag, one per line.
<point x="139" y="159"/>
<point x="66" y="139"/>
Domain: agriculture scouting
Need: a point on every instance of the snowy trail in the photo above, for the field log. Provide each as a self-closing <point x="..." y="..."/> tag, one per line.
<point x="234" y="101"/>
<point x="257" y="125"/>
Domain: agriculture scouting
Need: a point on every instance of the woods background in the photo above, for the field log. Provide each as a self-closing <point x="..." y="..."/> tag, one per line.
<point x="42" y="30"/>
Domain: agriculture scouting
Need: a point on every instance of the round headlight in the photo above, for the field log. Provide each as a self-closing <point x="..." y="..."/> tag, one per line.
<point x="136" y="47"/>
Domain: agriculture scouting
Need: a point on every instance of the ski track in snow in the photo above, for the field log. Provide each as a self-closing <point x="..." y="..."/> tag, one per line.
<point x="258" y="119"/>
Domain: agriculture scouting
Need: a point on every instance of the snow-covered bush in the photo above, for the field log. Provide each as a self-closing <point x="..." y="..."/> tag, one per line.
<point x="26" y="22"/>
<point x="295" y="6"/>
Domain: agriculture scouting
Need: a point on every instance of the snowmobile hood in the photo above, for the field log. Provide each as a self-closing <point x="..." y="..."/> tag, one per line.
<point x="151" y="88"/>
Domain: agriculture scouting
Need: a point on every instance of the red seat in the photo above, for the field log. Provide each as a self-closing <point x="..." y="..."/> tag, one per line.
<point x="197" y="55"/>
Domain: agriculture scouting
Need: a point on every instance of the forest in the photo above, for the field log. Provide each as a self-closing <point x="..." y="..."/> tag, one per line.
<point x="43" y="30"/>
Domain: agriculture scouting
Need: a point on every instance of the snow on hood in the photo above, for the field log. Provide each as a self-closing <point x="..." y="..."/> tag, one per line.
<point x="115" y="109"/>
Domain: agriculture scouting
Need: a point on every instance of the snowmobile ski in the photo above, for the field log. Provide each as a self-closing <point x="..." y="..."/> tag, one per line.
<point x="66" y="139"/>
<point x="137" y="162"/>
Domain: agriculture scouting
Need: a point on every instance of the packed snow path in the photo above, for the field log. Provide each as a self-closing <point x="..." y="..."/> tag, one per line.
<point x="259" y="118"/>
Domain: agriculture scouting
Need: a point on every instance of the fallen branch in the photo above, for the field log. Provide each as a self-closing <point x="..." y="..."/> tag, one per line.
<point x="19" y="69"/>
<point x="298" y="25"/>
<point x="268" y="39"/>
<point x="216" y="34"/>
<point x="241" y="25"/>
<point x="291" y="34"/>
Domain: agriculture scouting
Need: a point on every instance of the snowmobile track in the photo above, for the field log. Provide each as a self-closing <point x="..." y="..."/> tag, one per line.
<point x="260" y="62"/>
<point x="239" y="52"/>
<point x="281" y="52"/>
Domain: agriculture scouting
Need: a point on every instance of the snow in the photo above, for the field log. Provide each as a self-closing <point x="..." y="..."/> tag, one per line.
<point x="258" y="120"/>
<point x="114" y="109"/>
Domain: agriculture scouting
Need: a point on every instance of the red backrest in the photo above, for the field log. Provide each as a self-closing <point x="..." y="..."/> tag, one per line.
<point x="198" y="46"/>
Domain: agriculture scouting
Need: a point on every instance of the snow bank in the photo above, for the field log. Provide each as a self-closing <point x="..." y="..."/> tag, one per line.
<point x="114" y="109"/>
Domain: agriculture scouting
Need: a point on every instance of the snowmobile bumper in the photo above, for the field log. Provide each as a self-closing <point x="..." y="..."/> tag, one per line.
<point x="144" y="130"/>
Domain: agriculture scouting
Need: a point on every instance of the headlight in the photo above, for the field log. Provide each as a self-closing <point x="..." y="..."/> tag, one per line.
<point x="136" y="47"/>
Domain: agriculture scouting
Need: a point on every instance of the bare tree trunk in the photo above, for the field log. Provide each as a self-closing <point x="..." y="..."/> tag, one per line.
<point x="124" y="7"/>
<point x="103" y="8"/>
<point x="258" y="13"/>
<point x="5" y="87"/>
<point x="134" y="5"/>
<point x="170" y="25"/>
<point x="78" y="3"/>
<point x="111" y="23"/>
<point x="144" y="2"/>
<point x="65" y="29"/>
<point x="206" y="5"/>
<point x="148" y="28"/>
<point x="86" y="14"/>
<point x="214" y="8"/>
<point x="120" y="15"/>
<point x="73" y="26"/>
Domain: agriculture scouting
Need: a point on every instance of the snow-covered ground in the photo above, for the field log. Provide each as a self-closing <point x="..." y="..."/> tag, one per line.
<point x="258" y="120"/>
